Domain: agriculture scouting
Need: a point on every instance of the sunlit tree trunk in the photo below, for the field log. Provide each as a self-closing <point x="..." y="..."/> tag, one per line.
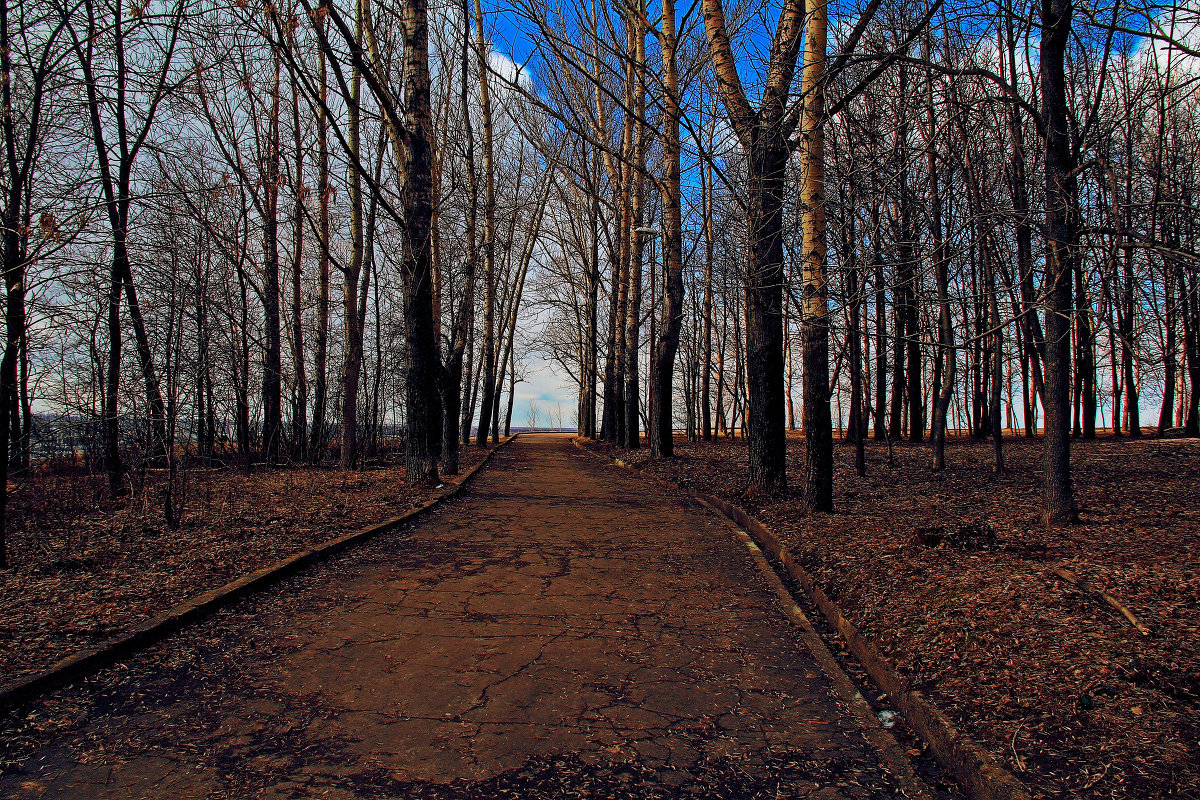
<point x="818" y="428"/>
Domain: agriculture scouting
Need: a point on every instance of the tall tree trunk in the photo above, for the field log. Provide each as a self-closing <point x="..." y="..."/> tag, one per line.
<point x="608" y="423"/>
<point x="316" y="440"/>
<point x="637" y="238"/>
<point x="112" y="376"/>
<point x="593" y="306"/>
<point x="422" y="405"/>
<point x="1113" y="361"/>
<point x="661" y="424"/>
<point x="1033" y="337"/>
<point x="763" y="133"/>
<point x="706" y="378"/>
<point x="996" y="338"/>
<point x="489" y="234"/>
<point x="764" y="318"/>
<point x="621" y="283"/>
<point x="1085" y="353"/>
<point x="300" y="407"/>
<point x="471" y="381"/>
<point x="14" y="267"/>
<point x="908" y="277"/>
<point x="204" y="440"/>
<point x="855" y="428"/>
<point x="1191" y="337"/>
<point x="464" y="320"/>
<point x="1062" y="228"/>
<point x="818" y="428"/>
<point x="947" y="360"/>
<point x="241" y="376"/>
<point x="880" y="286"/>
<point x="1167" y="409"/>
<point x="272" y="356"/>
<point x="899" y="326"/>
<point x="352" y="357"/>
<point x="1125" y="322"/>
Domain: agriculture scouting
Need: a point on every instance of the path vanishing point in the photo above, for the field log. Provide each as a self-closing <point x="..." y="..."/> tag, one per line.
<point x="561" y="629"/>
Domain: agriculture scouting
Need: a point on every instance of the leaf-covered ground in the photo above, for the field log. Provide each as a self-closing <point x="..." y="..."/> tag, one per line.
<point x="950" y="575"/>
<point x="86" y="567"/>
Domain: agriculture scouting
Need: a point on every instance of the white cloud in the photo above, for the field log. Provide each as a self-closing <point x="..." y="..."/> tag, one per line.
<point x="509" y="70"/>
<point x="1158" y="53"/>
<point x="545" y="387"/>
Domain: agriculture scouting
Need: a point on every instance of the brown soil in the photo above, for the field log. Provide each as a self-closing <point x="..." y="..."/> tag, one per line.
<point x="85" y="568"/>
<point x="950" y="575"/>
<point x="557" y="630"/>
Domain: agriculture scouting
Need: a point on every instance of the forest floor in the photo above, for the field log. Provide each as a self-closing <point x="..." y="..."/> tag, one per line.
<point x="951" y="575"/>
<point x="525" y="640"/>
<point x="86" y="567"/>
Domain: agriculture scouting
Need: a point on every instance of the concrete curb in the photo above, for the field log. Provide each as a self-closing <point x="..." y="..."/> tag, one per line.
<point x="147" y="632"/>
<point x="894" y="759"/>
<point x="980" y="776"/>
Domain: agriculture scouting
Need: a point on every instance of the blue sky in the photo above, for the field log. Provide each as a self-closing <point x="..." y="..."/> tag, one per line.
<point x="514" y="38"/>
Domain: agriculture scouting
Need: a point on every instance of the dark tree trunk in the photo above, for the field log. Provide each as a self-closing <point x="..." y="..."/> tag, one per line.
<point x="300" y="406"/>
<point x="855" y="428"/>
<point x="352" y="357"/>
<point x="1033" y="338"/>
<point x="880" y="416"/>
<point x="947" y="361"/>
<point x="1125" y="322"/>
<point x="910" y="311"/>
<point x="767" y="168"/>
<point x="1085" y="355"/>
<point x="1062" y="228"/>
<point x="272" y="356"/>
<point x="1167" y="410"/>
<point x="316" y="440"/>
<point x="1190" y="308"/>
<point x="464" y="320"/>
<point x="706" y="376"/>
<point x="422" y="404"/>
<point x="661" y="422"/>
<point x="764" y="134"/>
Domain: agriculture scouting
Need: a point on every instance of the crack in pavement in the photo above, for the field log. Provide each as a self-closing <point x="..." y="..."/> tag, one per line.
<point x="556" y="616"/>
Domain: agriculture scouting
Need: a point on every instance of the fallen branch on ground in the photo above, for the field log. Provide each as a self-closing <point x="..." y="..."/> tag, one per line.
<point x="1075" y="580"/>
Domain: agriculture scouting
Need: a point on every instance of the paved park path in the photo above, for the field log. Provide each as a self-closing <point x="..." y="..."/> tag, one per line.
<point x="560" y="628"/>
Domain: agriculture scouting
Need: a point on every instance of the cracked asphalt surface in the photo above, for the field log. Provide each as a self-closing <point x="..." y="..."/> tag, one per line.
<point x="560" y="629"/>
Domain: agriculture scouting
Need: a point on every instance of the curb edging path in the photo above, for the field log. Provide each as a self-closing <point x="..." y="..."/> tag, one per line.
<point x="143" y="634"/>
<point x="976" y="771"/>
